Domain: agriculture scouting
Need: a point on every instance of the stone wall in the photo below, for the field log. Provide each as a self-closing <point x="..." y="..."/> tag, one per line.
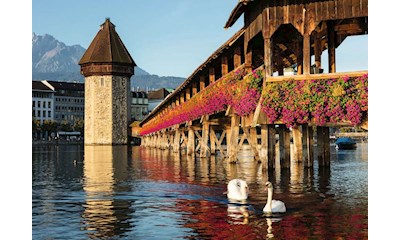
<point x="106" y="109"/>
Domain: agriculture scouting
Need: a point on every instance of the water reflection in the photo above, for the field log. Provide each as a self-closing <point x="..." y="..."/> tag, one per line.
<point x="138" y="193"/>
<point x="105" y="215"/>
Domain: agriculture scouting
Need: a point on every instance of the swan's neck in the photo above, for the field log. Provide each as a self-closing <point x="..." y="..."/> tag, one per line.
<point x="269" y="200"/>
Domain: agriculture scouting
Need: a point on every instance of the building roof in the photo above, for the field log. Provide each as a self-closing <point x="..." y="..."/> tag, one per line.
<point x="107" y="47"/>
<point x="70" y="86"/>
<point x="39" y="86"/>
<point x="160" y="93"/>
<point x="140" y="94"/>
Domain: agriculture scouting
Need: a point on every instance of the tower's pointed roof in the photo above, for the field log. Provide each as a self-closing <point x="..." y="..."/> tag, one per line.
<point x="107" y="47"/>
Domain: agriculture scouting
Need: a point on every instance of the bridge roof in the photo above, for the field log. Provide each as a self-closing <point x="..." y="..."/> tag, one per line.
<point x="107" y="47"/>
<point x="213" y="56"/>
<point x="237" y="12"/>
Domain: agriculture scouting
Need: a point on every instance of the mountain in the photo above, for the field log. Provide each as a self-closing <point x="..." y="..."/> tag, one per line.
<point x="54" y="60"/>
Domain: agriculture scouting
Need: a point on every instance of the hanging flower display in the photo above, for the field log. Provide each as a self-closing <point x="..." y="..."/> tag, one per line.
<point x="322" y="101"/>
<point x="242" y="92"/>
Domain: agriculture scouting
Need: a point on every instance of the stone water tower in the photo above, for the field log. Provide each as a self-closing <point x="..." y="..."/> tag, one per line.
<point x="107" y="67"/>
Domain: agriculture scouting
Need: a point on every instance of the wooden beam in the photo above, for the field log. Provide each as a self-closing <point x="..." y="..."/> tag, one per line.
<point x="322" y="76"/>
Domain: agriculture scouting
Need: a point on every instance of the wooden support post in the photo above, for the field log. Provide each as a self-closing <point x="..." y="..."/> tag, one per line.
<point x="248" y="54"/>
<point x="271" y="146"/>
<point x="284" y="146"/>
<point x="331" y="47"/>
<point x="323" y="146"/>
<point x="204" y="137"/>
<point x="306" y="53"/>
<point x="202" y="82"/>
<point x="254" y="141"/>
<point x="317" y="54"/>
<point x="191" y="143"/>
<point x="233" y="148"/>
<point x="188" y="95"/>
<point x="177" y="141"/>
<point x="264" y="146"/>
<point x="212" y="140"/>
<point x="182" y="98"/>
<point x="194" y="89"/>
<point x="308" y="144"/>
<point x="268" y="51"/>
<point x="237" y="57"/>
<point x="224" y="65"/>
<point x="280" y="66"/>
<point x="228" y="139"/>
<point x="211" y="75"/>
<point x="297" y="144"/>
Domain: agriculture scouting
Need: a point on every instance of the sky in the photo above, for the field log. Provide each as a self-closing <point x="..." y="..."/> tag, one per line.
<point x="167" y="38"/>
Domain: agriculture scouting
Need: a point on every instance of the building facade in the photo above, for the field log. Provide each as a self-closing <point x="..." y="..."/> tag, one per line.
<point x="69" y="101"/>
<point x="139" y="106"/>
<point x="42" y="102"/>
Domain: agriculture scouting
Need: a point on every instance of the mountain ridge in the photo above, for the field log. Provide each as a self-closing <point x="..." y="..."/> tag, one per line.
<point x="54" y="60"/>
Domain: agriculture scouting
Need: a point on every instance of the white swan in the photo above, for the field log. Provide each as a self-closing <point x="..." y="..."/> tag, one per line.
<point x="237" y="189"/>
<point x="273" y="206"/>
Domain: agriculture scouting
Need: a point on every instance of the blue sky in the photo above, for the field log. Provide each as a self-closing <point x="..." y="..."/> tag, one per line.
<point x="167" y="38"/>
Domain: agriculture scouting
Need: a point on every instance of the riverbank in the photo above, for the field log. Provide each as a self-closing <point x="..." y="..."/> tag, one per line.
<point x="57" y="142"/>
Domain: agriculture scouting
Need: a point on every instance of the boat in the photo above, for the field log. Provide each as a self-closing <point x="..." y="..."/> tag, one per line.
<point x="345" y="143"/>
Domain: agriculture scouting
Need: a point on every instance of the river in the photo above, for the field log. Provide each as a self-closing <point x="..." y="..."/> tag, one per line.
<point x="121" y="192"/>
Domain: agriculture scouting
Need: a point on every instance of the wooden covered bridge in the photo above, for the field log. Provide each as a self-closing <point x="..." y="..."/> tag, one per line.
<point x="242" y="93"/>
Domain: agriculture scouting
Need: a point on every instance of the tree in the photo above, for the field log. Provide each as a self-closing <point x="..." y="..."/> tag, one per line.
<point x="65" y="126"/>
<point x="79" y="126"/>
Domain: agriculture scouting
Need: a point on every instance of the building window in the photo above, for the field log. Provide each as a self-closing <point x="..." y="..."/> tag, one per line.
<point x="33" y="104"/>
<point x="38" y="113"/>
<point x="33" y="114"/>
<point x="49" y="114"/>
<point x="44" y="104"/>
<point x="44" y="114"/>
<point x="49" y="104"/>
<point x="38" y="104"/>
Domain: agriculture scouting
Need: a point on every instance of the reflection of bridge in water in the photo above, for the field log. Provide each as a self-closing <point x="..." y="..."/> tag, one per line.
<point x="233" y="100"/>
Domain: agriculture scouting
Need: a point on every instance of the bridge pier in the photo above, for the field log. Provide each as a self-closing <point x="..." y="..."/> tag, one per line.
<point x="284" y="146"/>
<point x="323" y="146"/>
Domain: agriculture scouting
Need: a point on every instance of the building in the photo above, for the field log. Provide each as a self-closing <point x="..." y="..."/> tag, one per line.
<point x="107" y="67"/>
<point x="156" y="97"/>
<point x="69" y="100"/>
<point x="42" y="102"/>
<point x="139" y="106"/>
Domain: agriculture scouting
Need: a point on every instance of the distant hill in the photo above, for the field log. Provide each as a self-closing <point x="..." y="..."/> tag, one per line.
<point x="53" y="60"/>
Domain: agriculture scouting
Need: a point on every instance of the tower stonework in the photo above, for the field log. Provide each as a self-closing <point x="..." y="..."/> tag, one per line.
<point x="107" y="67"/>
